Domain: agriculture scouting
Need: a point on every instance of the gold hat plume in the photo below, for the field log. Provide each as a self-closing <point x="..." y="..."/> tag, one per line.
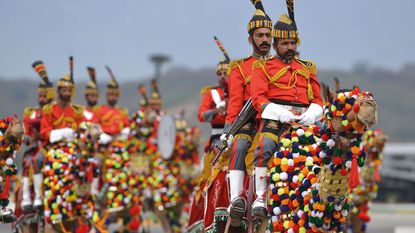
<point x="92" y="86"/>
<point x="112" y="85"/>
<point x="45" y="84"/>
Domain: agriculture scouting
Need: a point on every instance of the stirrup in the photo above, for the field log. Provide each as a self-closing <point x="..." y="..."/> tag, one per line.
<point x="259" y="208"/>
<point x="27" y="208"/>
<point x="237" y="211"/>
<point x="7" y="216"/>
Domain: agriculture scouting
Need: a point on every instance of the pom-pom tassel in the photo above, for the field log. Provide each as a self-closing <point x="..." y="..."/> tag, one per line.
<point x="354" y="174"/>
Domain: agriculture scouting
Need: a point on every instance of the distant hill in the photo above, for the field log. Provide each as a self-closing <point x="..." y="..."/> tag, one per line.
<point x="393" y="91"/>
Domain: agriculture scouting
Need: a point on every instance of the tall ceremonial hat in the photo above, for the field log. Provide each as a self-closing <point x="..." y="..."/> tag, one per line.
<point x="224" y="63"/>
<point x="112" y="85"/>
<point x="286" y="28"/>
<point x="260" y="18"/>
<point x="91" y="86"/>
<point x="144" y="99"/>
<point x="67" y="80"/>
<point x="45" y="84"/>
<point x="155" y="97"/>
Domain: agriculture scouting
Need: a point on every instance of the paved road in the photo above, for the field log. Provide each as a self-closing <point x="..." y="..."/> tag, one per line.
<point x="386" y="218"/>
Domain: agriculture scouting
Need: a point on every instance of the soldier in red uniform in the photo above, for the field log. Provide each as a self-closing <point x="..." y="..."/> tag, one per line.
<point x="212" y="109"/>
<point x="113" y="119"/>
<point x="285" y="90"/>
<point x="60" y="119"/>
<point x="91" y="97"/>
<point x="240" y="80"/>
<point x="34" y="156"/>
<point x="155" y="101"/>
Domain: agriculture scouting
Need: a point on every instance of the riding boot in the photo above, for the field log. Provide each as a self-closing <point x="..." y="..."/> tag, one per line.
<point x="7" y="216"/>
<point x="26" y="202"/>
<point x="259" y="207"/>
<point x="37" y="182"/>
<point x="237" y="207"/>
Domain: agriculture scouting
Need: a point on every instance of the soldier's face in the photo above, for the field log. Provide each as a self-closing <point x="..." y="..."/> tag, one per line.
<point x="91" y="99"/>
<point x="261" y="41"/>
<point x="64" y="93"/>
<point x="112" y="98"/>
<point x="41" y="98"/>
<point x="286" y="49"/>
<point x="222" y="77"/>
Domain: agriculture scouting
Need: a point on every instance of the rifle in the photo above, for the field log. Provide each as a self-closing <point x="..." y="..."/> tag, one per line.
<point x="244" y="115"/>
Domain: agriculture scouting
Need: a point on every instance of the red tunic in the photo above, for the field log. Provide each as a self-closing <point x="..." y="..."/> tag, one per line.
<point x="31" y="120"/>
<point x="239" y="86"/>
<point x="208" y="104"/>
<point x="112" y="119"/>
<point x="291" y="86"/>
<point x="54" y="117"/>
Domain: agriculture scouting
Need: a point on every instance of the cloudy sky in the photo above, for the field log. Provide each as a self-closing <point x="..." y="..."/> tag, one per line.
<point x="122" y="33"/>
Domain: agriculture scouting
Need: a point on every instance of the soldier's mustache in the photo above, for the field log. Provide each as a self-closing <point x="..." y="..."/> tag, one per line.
<point x="265" y="43"/>
<point x="290" y="52"/>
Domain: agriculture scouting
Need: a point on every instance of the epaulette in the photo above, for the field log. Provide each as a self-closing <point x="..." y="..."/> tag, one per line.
<point x="78" y="109"/>
<point x="124" y="110"/>
<point x="47" y="109"/>
<point x="28" y="111"/>
<point x="234" y="63"/>
<point x="310" y="66"/>
<point x="205" y="89"/>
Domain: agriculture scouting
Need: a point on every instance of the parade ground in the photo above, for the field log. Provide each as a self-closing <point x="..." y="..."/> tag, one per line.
<point x="386" y="218"/>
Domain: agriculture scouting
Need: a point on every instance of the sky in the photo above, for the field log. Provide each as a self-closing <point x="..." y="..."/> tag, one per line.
<point x="123" y="33"/>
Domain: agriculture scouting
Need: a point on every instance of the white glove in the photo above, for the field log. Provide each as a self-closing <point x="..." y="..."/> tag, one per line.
<point x="104" y="138"/>
<point x="278" y="113"/>
<point x="126" y="131"/>
<point x="313" y="114"/>
<point x="228" y="140"/>
<point x="60" y="134"/>
<point x="88" y="115"/>
<point x="221" y="104"/>
<point x="69" y="135"/>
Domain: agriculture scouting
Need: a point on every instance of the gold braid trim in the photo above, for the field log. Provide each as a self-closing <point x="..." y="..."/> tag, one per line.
<point x="258" y="64"/>
<point x="205" y="89"/>
<point x="310" y="66"/>
<point x="293" y="79"/>
<point x="238" y="64"/>
<point x="124" y="111"/>
<point x="243" y="136"/>
<point x="221" y="165"/>
<point x="28" y="111"/>
<point x="271" y="136"/>
<point x="235" y="64"/>
<point x="47" y="109"/>
<point x="78" y="109"/>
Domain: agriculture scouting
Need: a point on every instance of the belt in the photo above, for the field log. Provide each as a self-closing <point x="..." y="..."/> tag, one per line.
<point x="295" y="108"/>
<point x="284" y="102"/>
